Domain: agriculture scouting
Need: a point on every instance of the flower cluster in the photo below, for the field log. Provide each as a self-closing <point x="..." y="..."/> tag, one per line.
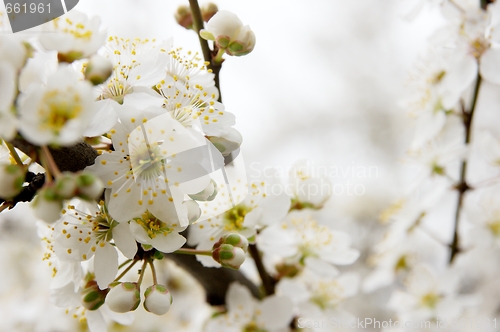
<point x="455" y="153"/>
<point x="117" y="142"/>
<point x="124" y="152"/>
<point x="156" y="157"/>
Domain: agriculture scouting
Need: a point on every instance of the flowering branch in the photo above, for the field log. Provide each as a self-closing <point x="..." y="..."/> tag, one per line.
<point x="462" y="186"/>
<point x="215" y="281"/>
<point x="485" y="3"/>
<point x="208" y="54"/>
<point x="198" y="25"/>
<point x="267" y="281"/>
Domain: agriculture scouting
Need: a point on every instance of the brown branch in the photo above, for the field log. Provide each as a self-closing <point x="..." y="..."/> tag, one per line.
<point x="208" y="54"/>
<point x="72" y="159"/>
<point x="463" y="186"/>
<point x="215" y="281"/>
<point x="267" y="281"/>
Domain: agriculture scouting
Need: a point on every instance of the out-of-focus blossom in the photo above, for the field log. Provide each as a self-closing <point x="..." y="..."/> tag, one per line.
<point x="74" y="36"/>
<point x="299" y="237"/>
<point x="59" y="112"/>
<point x="245" y="313"/>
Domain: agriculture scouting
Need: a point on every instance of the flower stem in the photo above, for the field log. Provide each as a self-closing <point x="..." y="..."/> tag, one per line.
<point x="208" y="55"/>
<point x="126" y="270"/>
<point x="124" y="263"/>
<point x="218" y="58"/>
<point x="143" y="272"/>
<point x="14" y="154"/>
<point x="5" y="205"/>
<point x="51" y="164"/>
<point x="198" y="25"/>
<point x="267" y="281"/>
<point x="187" y="251"/>
<point x="153" y="271"/>
<point x="462" y="186"/>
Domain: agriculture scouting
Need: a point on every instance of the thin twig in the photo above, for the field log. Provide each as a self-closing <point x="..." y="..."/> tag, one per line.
<point x="462" y="186"/>
<point x="143" y="272"/>
<point x="198" y="25"/>
<point x="153" y="271"/>
<point x="188" y="251"/>
<point x="267" y="281"/>
<point x="50" y="161"/>
<point x="126" y="270"/>
<point x="14" y="154"/>
<point x="208" y="54"/>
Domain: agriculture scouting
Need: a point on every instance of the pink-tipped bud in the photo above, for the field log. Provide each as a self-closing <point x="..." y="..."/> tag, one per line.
<point x="157" y="299"/>
<point x="230" y="250"/>
<point x="184" y="17"/>
<point x="98" y="69"/>
<point x="92" y="296"/>
<point x="90" y="187"/>
<point x="124" y="297"/>
<point x="47" y="205"/>
<point x="208" y="11"/>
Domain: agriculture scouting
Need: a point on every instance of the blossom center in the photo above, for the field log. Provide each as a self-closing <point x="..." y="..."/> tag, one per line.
<point x="102" y="227"/>
<point x="116" y="89"/>
<point x="327" y="294"/>
<point x="77" y="30"/>
<point x="494" y="227"/>
<point x="478" y="46"/>
<point x="147" y="162"/>
<point x="235" y="217"/>
<point x="153" y="226"/>
<point x="430" y="300"/>
<point x="252" y="327"/>
<point x="59" y="107"/>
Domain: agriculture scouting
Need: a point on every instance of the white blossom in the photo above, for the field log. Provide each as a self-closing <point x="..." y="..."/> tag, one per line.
<point x="73" y="35"/>
<point x="246" y="313"/>
<point x="59" y="112"/>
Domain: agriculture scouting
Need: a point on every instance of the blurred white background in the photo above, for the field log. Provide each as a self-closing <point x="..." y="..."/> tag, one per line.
<point x="325" y="82"/>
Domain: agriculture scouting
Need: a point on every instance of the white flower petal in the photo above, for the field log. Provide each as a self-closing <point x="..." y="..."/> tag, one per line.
<point x="489" y="67"/>
<point x="168" y="243"/>
<point x="124" y="240"/>
<point x="105" y="264"/>
<point x="104" y="119"/>
<point x="275" y="312"/>
<point x="95" y="321"/>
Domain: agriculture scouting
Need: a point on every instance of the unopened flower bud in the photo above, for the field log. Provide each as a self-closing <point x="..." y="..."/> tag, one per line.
<point x="124" y="297"/>
<point x="228" y="142"/>
<point x="47" y="205"/>
<point x="229" y="256"/>
<point x="207" y="194"/>
<point x="157" y="299"/>
<point x="90" y="187"/>
<point x="66" y="185"/>
<point x="229" y="33"/>
<point x="208" y="11"/>
<point x="194" y="211"/>
<point x="11" y="180"/>
<point x="236" y="240"/>
<point x="98" y="69"/>
<point x="93" y="297"/>
<point x="184" y="17"/>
